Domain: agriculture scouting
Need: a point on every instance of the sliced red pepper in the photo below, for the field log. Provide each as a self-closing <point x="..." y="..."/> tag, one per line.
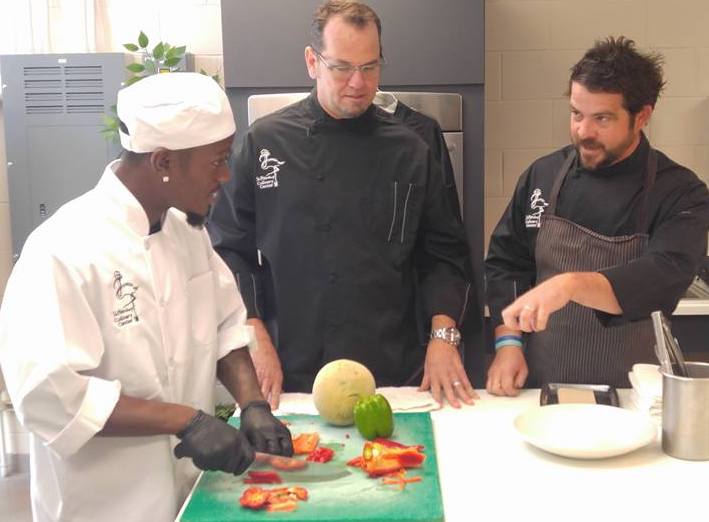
<point x="276" y="499"/>
<point x="400" y="481"/>
<point x="286" y="505"/>
<point x="411" y="458"/>
<point x="394" y="444"/>
<point x="287" y="463"/>
<point x="305" y="443"/>
<point x="379" y="459"/>
<point x="263" y="477"/>
<point x="356" y="462"/>
<point x="254" y="498"/>
<point x="320" y="455"/>
<point x="292" y="493"/>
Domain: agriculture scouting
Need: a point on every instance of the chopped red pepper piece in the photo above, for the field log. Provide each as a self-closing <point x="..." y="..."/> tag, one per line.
<point x="286" y="463"/>
<point x="379" y="459"/>
<point x="286" y="505"/>
<point x="400" y="481"/>
<point x="356" y="462"/>
<point x="263" y="477"/>
<point x="254" y="498"/>
<point x="293" y="493"/>
<point x="277" y="499"/>
<point x="320" y="455"/>
<point x="394" y="444"/>
<point x="305" y="443"/>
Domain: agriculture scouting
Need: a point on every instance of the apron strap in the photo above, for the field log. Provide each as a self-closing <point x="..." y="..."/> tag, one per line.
<point x="559" y="180"/>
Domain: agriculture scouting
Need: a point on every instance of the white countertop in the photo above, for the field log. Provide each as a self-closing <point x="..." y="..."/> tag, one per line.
<point x="488" y="473"/>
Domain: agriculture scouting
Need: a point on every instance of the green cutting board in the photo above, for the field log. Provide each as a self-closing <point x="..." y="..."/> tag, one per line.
<point x="355" y="497"/>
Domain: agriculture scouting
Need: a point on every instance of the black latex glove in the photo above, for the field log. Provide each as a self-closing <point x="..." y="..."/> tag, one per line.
<point x="214" y="445"/>
<point x="264" y="431"/>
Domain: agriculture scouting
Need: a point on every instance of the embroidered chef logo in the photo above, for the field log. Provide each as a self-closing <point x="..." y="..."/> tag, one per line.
<point x="537" y="204"/>
<point x="270" y="166"/>
<point x="124" y="312"/>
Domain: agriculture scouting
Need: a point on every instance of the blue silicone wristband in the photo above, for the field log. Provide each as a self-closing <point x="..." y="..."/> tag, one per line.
<point x="508" y="340"/>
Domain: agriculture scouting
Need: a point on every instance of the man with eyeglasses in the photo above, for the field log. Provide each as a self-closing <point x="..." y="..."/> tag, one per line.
<point x="337" y="214"/>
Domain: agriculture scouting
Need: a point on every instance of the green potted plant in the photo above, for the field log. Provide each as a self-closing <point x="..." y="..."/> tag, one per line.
<point x="162" y="58"/>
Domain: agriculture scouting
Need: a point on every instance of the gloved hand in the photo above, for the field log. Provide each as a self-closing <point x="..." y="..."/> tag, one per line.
<point x="214" y="445"/>
<point x="265" y="432"/>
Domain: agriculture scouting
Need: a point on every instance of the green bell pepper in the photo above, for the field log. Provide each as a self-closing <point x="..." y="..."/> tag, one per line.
<point x="373" y="417"/>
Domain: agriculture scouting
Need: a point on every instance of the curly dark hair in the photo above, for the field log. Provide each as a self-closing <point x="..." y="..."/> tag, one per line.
<point x="354" y="13"/>
<point x="614" y="65"/>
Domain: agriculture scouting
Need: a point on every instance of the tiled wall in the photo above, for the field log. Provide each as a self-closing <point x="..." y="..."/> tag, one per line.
<point x="529" y="48"/>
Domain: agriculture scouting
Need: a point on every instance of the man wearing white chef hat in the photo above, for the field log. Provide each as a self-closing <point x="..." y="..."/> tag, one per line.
<point x="118" y="316"/>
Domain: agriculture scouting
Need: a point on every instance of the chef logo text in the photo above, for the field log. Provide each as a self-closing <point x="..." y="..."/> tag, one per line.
<point x="124" y="312"/>
<point x="537" y="204"/>
<point x="270" y="166"/>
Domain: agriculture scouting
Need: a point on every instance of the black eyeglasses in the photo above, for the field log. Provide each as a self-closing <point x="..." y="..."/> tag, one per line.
<point x="344" y="71"/>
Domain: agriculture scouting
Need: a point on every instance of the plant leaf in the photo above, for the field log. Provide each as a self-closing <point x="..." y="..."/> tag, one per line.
<point x="171" y="62"/>
<point x="131" y="47"/>
<point x="133" y="79"/>
<point x="108" y="121"/>
<point x="143" y="40"/>
<point x="150" y="66"/>
<point x="135" y="67"/>
<point x="159" y="51"/>
<point x="179" y="51"/>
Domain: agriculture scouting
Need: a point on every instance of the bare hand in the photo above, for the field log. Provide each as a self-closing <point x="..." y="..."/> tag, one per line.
<point x="508" y="372"/>
<point x="443" y="374"/>
<point x="267" y="364"/>
<point x="530" y="312"/>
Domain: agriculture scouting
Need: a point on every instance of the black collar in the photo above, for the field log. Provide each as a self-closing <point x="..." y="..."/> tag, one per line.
<point x="322" y="119"/>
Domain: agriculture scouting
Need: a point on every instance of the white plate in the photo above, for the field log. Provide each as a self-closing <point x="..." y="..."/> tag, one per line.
<point x="585" y="431"/>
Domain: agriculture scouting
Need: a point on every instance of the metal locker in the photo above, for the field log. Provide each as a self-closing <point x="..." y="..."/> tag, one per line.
<point x="53" y="105"/>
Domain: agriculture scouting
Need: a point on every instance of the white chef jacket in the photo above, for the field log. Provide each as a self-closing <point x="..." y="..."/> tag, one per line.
<point x="95" y="307"/>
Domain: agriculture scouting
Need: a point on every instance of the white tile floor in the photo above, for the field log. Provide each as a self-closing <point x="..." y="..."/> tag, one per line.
<point x="15" y="491"/>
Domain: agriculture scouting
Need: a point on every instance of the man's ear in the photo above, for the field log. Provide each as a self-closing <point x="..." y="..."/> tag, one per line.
<point x="160" y="160"/>
<point x="311" y="62"/>
<point x="643" y="117"/>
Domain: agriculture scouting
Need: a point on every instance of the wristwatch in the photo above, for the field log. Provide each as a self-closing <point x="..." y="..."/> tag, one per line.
<point x="451" y="335"/>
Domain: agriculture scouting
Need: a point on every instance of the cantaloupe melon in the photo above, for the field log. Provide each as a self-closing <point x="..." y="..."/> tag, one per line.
<point x="337" y="387"/>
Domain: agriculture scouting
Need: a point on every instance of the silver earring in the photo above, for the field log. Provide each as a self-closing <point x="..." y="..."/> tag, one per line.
<point x="165" y="179"/>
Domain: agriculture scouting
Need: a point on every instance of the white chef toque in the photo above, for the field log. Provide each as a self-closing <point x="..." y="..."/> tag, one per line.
<point x="177" y="110"/>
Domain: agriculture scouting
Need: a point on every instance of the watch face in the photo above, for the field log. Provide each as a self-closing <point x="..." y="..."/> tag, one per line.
<point x="450" y="335"/>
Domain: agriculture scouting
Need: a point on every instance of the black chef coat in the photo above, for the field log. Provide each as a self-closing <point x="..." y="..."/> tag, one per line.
<point x="430" y="131"/>
<point x="604" y="201"/>
<point x="344" y="213"/>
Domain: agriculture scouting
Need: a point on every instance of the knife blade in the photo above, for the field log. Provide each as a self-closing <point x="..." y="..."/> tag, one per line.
<point x="291" y="469"/>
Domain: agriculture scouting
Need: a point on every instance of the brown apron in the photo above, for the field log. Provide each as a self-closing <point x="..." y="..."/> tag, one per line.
<point x="576" y="347"/>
